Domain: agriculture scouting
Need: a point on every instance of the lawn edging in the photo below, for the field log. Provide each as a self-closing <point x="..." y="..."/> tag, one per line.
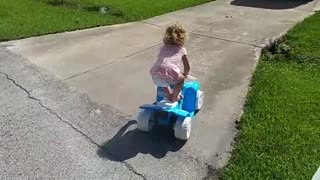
<point x="22" y="19"/>
<point x="260" y="51"/>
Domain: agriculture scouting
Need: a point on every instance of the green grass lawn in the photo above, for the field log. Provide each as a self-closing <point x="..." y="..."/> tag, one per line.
<point x="24" y="18"/>
<point x="279" y="135"/>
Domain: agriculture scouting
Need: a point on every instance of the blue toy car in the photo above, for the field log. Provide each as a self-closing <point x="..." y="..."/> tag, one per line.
<point x="177" y="115"/>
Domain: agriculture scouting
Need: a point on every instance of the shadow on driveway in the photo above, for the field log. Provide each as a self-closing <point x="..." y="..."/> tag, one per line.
<point x="270" y="4"/>
<point x="129" y="142"/>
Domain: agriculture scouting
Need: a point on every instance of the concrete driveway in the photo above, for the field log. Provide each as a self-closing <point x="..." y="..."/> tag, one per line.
<point x="110" y="65"/>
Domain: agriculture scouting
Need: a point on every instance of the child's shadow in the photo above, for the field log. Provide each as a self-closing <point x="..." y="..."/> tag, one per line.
<point x="129" y="141"/>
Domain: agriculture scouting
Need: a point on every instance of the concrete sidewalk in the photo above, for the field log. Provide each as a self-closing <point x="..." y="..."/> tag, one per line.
<point x="111" y="65"/>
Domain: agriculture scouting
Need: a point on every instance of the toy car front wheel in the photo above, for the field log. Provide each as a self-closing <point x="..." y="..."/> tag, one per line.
<point x="182" y="128"/>
<point x="144" y="122"/>
<point x="200" y="99"/>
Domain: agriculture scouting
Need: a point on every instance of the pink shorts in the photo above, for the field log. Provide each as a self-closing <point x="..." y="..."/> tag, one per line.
<point x="163" y="81"/>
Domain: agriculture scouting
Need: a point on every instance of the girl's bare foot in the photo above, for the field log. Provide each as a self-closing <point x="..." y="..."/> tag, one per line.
<point x="177" y="98"/>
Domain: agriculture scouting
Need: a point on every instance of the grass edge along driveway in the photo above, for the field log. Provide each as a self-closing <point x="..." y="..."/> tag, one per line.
<point x="279" y="132"/>
<point x="25" y="18"/>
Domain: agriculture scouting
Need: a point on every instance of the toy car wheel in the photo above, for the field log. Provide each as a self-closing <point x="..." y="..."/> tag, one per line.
<point x="144" y="122"/>
<point x="182" y="128"/>
<point x="200" y="99"/>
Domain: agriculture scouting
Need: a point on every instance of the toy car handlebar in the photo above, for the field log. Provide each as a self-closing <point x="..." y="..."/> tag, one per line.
<point x="191" y="78"/>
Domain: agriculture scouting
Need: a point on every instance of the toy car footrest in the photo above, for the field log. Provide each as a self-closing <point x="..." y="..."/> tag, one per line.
<point x="167" y="104"/>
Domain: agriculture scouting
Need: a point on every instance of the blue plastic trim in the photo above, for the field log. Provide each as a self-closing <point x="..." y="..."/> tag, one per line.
<point x="177" y="112"/>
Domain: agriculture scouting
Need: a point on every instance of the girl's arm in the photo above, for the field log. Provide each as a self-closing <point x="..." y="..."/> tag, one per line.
<point x="186" y="65"/>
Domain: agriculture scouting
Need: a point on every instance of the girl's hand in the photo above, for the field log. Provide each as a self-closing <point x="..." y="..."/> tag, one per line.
<point x="185" y="75"/>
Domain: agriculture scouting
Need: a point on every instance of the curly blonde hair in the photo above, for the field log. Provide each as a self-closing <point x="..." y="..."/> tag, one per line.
<point x="175" y="35"/>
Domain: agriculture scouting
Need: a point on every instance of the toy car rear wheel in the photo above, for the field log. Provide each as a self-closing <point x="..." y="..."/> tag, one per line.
<point x="182" y="128"/>
<point x="144" y="122"/>
<point x="200" y="99"/>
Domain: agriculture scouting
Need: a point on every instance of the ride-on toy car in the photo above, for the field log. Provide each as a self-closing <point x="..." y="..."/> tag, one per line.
<point x="177" y="115"/>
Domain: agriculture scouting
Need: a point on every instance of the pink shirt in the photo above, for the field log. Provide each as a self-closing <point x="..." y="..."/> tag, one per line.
<point x="168" y="62"/>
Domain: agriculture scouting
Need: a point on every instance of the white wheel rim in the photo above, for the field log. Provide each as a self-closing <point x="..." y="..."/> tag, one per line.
<point x="200" y="98"/>
<point x="143" y="120"/>
<point x="182" y="129"/>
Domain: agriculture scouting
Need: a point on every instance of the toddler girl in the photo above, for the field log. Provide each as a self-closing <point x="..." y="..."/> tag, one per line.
<point x="166" y="71"/>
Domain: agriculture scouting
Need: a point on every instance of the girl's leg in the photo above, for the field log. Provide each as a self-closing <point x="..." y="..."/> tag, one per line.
<point x="177" y="88"/>
<point x="160" y="82"/>
<point x="167" y="90"/>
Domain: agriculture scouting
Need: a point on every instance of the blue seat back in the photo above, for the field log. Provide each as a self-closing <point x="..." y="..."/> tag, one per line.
<point x="190" y="95"/>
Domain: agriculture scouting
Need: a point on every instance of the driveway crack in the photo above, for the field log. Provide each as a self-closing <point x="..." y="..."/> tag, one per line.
<point x="47" y="108"/>
<point x="130" y="168"/>
<point x="126" y="164"/>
